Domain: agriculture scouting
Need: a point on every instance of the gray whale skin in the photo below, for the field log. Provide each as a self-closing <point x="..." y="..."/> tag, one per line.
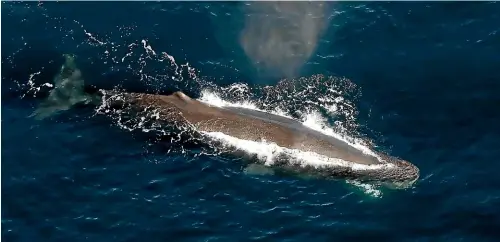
<point x="246" y="124"/>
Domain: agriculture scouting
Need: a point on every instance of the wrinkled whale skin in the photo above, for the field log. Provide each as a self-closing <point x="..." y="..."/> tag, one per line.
<point x="247" y="124"/>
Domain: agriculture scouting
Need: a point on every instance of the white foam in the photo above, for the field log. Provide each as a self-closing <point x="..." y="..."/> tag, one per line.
<point x="315" y="121"/>
<point x="212" y="98"/>
<point x="267" y="152"/>
<point x="369" y="189"/>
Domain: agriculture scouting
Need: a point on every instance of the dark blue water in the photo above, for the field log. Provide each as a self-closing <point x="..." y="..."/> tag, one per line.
<point x="429" y="79"/>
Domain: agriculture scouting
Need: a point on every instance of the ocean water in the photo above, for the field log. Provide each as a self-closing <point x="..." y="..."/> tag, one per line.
<point x="418" y="80"/>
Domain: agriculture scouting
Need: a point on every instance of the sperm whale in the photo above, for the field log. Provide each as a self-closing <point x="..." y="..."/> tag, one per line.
<point x="240" y="123"/>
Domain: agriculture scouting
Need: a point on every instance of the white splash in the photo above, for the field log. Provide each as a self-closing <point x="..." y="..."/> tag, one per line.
<point x="315" y="121"/>
<point x="267" y="152"/>
<point x="369" y="189"/>
<point x="212" y="98"/>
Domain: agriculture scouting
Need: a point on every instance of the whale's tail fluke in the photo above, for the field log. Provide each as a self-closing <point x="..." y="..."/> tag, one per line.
<point x="68" y="90"/>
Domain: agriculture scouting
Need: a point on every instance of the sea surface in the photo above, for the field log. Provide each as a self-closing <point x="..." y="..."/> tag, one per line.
<point x="419" y="80"/>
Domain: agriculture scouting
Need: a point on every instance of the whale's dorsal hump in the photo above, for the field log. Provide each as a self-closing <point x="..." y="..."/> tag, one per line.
<point x="181" y="96"/>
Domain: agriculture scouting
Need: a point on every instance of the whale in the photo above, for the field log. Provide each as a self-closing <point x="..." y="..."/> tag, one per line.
<point x="340" y="159"/>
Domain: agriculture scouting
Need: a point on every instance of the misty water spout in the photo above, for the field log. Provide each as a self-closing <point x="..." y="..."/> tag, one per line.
<point x="280" y="37"/>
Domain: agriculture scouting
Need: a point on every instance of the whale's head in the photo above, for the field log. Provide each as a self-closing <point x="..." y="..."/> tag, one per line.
<point x="404" y="174"/>
<point x="398" y="173"/>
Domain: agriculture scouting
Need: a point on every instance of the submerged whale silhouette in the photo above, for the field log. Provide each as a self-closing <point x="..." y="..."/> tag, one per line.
<point x="240" y="123"/>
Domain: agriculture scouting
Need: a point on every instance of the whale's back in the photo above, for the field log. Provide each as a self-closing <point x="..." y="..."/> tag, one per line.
<point x="248" y="124"/>
<point x="299" y="128"/>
